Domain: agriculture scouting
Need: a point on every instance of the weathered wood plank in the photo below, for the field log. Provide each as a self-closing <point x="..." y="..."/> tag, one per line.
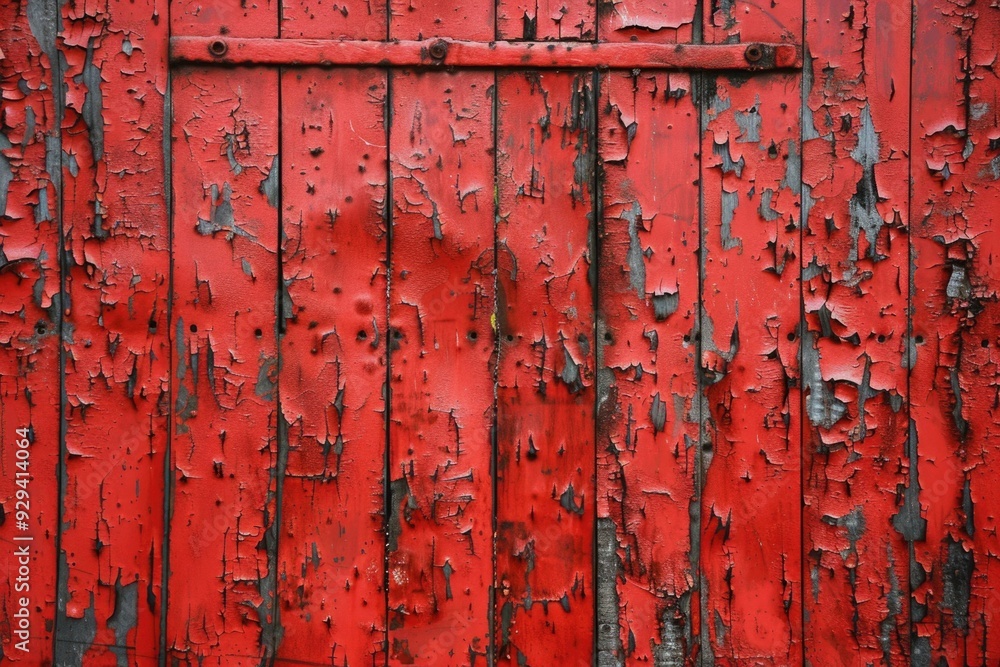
<point x="30" y="323"/>
<point x="545" y="421"/>
<point x="956" y="333"/>
<point x="573" y="20"/>
<point x="334" y="19"/>
<point x="855" y="350"/>
<point x="647" y="427"/>
<point x="728" y="21"/>
<point x="442" y="367"/>
<point x="224" y="449"/>
<point x="673" y="21"/>
<point x="331" y="543"/>
<point x="116" y="244"/>
<point x="751" y="522"/>
<point x="458" y="19"/>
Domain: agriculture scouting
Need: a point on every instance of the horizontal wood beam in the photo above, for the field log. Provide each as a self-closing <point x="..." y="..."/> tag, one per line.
<point x="448" y="53"/>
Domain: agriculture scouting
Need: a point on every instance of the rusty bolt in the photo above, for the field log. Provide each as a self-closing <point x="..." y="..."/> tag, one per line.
<point x="753" y="53"/>
<point x="438" y="49"/>
<point x="218" y="48"/>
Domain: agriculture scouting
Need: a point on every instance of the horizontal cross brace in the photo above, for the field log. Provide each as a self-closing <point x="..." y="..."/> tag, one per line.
<point x="447" y="53"/>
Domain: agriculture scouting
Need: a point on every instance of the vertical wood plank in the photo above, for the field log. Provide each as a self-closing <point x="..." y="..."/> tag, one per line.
<point x="670" y="21"/>
<point x="334" y="19"/>
<point x="222" y="533"/>
<point x="458" y="19"/>
<point x="572" y="20"/>
<point x="855" y="348"/>
<point x="116" y="244"/>
<point x="331" y="540"/>
<point x="30" y="320"/>
<point x="442" y="367"/>
<point x="956" y="333"/>
<point x="238" y="18"/>
<point x="647" y="426"/>
<point x="728" y="21"/>
<point x="751" y="522"/>
<point x="545" y="421"/>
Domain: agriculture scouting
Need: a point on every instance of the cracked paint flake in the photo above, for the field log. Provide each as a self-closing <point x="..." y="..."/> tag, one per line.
<point x="545" y="457"/>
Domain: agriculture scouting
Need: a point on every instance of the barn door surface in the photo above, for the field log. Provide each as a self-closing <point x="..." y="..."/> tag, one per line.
<point x="487" y="353"/>
<point x="499" y="332"/>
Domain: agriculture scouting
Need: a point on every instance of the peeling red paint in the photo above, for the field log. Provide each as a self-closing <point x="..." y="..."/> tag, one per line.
<point x="331" y="572"/>
<point x="30" y="320"/>
<point x="545" y="385"/>
<point x="510" y="357"/>
<point x="647" y="386"/>
<point x="442" y="359"/>
<point x="567" y="20"/>
<point x="116" y="245"/>
<point x="225" y="448"/>
<point x="855" y="351"/>
<point x="749" y="326"/>
<point x="956" y="328"/>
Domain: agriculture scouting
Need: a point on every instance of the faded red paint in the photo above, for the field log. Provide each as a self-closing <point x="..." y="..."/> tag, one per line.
<point x="477" y="360"/>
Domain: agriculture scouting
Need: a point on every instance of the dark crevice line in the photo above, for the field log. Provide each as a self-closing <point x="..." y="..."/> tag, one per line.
<point x="701" y="397"/>
<point x="281" y="464"/>
<point x="497" y="351"/>
<point x="597" y="217"/>
<point x="58" y="107"/>
<point x="168" y="486"/>
<point x="387" y="391"/>
<point x="803" y="327"/>
<point x="912" y="473"/>
<point x="698" y="84"/>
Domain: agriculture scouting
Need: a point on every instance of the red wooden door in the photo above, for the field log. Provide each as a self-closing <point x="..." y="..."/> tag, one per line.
<point x="494" y="332"/>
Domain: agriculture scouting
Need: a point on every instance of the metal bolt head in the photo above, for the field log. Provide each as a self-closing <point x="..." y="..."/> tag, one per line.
<point x="438" y="50"/>
<point x="218" y="48"/>
<point x="753" y="53"/>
